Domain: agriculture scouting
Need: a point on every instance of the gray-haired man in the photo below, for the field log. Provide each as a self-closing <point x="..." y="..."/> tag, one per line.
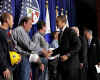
<point x="24" y="45"/>
<point x="93" y="54"/>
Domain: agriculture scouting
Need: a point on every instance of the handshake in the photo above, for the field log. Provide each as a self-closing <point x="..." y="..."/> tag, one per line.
<point x="47" y="53"/>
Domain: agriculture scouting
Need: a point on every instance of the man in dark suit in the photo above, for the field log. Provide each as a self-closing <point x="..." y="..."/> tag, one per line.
<point x="82" y="53"/>
<point x="93" y="54"/>
<point x="69" y="45"/>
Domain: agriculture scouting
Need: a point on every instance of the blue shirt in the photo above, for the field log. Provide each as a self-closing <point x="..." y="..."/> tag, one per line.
<point x="54" y="44"/>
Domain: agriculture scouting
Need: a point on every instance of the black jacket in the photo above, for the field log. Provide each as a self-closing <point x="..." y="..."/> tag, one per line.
<point x="4" y="51"/>
<point x="69" y="45"/>
<point x="94" y="52"/>
<point x="83" y="50"/>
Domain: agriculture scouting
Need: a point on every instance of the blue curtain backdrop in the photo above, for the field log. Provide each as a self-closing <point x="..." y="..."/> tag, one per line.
<point x="68" y="5"/>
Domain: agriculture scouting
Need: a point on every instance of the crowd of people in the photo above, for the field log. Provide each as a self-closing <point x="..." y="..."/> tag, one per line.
<point x="70" y="56"/>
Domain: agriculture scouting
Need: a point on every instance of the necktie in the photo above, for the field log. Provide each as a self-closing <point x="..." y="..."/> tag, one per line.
<point x="89" y="43"/>
<point x="60" y="35"/>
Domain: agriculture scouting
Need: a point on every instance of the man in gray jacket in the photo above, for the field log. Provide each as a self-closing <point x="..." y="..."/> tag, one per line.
<point x="24" y="45"/>
<point x="42" y="44"/>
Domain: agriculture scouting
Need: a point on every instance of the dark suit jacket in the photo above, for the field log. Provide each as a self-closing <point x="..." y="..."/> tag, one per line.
<point x="94" y="52"/>
<point x="4" y="51"/>
<point x="83" y="50"/>
<point x="69" y="45"/>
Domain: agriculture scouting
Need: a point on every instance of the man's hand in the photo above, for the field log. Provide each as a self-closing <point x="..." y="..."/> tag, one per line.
<point x="50" y="52"/>
<point x="81" y="65"/>
<point x="64" y="58"/>
<point x="42" y="67"/>
<point x="46" y="53"/>
<point x="7" y="74"/>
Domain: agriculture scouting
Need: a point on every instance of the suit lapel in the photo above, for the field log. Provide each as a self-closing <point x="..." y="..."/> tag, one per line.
<point x="61" y="37"/>
<point x="93" y="43"/>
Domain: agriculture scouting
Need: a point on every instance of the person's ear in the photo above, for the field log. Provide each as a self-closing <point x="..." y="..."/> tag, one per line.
<point x="24" y="23"/>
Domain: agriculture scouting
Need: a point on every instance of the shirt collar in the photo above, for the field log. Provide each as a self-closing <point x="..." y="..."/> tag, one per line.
<point x="90" y="39"/>
<point x="63" y="28"/>
<point x="41" y="33"/>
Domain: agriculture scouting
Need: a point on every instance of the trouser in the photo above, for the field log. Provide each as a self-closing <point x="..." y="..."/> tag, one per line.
<point x="22" y="71"/>
<point x="67" y="71"/>
<point x="83" y="73"/>
<point x="37" y="74"/>
<point x="35" y="71"/>
<point x="68" y="75"/>
<point x="91" y="73"/>
<point x="52" y="67"/>
<point x="44" y="75"/>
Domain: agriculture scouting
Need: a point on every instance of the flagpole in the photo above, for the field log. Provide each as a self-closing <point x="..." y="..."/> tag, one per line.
<point x="57" y="11"/>
<point x="56" y="8"/>
<point x="46" y="4"/>
<point x="62" y="9"/>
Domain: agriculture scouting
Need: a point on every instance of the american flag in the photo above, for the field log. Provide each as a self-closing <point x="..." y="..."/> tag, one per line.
<point x="30" y="8"/>
<point x="5" y="6"/>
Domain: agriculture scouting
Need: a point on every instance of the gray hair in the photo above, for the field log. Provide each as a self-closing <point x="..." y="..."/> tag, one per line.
<point x="90" y="32"/>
